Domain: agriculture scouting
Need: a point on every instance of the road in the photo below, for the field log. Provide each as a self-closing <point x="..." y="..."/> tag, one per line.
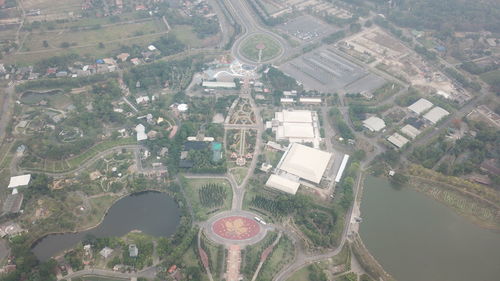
<point x="88" y="162"/>
<point x="245" y="16"/>
<point x="302" y="259"/>
<point x="5" y="113"/>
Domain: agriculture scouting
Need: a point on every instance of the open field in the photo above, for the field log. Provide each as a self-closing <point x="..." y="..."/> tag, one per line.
<point x="254" y="44"/>
<point x="92" y="36"/>
<point x="192" y="188"/>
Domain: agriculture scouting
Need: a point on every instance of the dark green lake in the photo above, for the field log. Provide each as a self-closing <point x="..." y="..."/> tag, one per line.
<point x="153" y="213"/>
<point x="416" y="238"/>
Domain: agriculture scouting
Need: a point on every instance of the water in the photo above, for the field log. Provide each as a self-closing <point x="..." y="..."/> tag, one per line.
<point x="32" y="97"/>
<point x="416" y="238"/>
<point x="153" y="213"/>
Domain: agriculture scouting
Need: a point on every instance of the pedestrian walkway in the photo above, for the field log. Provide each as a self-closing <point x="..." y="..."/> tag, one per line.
<point x="233" y="263"/>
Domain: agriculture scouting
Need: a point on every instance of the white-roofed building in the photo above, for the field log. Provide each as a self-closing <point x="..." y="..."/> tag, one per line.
<point x="106" y="252"/>
<point x="141" y="132"/>
<point x="443" y="94"/>
<point x="374" y="124"/>
<point x="397" y="140"/>
<point x="420" y="106"/>
<point x="218" y="84"/>
<point x="435" y="114"/>
<point x="297" y="126"/>
<point x="287" y="100"/>
<point x="142" y="99"/>
<point x="410" y="131"/>
<point x="283" y="184"/>
<point x="18" y="181"/>
<point x="310" y="100"/>
<point x="304" y="162"/>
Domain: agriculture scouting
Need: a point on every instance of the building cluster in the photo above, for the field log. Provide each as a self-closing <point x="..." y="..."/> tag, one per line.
<point x="299" y="164"/>
<point x="419" y="115"/>
<point x="296" y="126"/>
<point x="197" y="8"/>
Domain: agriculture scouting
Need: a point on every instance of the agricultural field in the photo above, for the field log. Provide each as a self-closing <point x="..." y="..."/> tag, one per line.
<point x="260" y="47"/>
<point x="208" y="196"/>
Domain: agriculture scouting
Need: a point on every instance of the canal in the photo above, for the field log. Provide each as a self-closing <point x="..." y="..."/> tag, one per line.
<point x="416" y="238"/>
<point x="151" y="212"/>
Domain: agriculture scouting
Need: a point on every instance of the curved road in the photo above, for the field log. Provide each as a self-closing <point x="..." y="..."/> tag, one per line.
<point x="88" y="162"/>
<point x="243" y="13"/>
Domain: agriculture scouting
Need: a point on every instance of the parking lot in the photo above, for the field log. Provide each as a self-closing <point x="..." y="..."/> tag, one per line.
<point x="306" y="28"/>
<point x="325" y="71"/>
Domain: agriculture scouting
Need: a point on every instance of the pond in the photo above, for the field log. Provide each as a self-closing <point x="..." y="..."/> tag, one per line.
<point x="32" y="97"/>
<point x="416" y="238"/>
<point x="153" y="213"/>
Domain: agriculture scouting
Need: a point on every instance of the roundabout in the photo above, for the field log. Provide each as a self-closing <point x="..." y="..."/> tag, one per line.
<point x="260" y="48"/>
<point x="235" y="227"/>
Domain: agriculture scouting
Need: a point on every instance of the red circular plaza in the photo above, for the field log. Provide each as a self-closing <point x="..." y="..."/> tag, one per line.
<point x="236" y="228"/>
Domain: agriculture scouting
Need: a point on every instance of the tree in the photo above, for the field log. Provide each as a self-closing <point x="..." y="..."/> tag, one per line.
<point x="368" y="23"/>
<point x="65" y="45"/>
<point x="101" y="45"/>
<point x="355" y="27"/>
<point x="399" y="179"/>
<point x="45" y="44"/>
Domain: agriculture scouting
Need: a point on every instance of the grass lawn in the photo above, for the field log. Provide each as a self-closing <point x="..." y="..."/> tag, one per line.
<point x="251" y="255"/>
<point x="239" y="174"/>
<point x="98" y="278"/>
<point x="187" y="36"/>
<point x="86" y="42"/>
<point x="273" y="157"/>
<point x="271" y="47"/>
<point x="99" y="207"/>
<point x="491" y="77"/>
<point x="191" y="188"/>
<point x="281" y="255"/>
<point x="190" y="258"/>
<point x="300" y="275"/>
<point x="34" y="41"/>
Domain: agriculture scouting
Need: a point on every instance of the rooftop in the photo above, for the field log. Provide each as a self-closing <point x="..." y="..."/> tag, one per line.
<point x="410" y="131"/>
<point x="305" y="162"/>
<point x="420" y="106"/>
<point x="282" y="183"/>
<point x="22" y="180"/>
<point x="296" y="116"/>
<point x="398" y="140"/>
<point x="374" y="124"/>
<point x="435" y="114"/>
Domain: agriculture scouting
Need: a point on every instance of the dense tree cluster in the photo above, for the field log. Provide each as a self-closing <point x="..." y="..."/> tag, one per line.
<point x="212" y="195"/>
<point x="429" y="14"/>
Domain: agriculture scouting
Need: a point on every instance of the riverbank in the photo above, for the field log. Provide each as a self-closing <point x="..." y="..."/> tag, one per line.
<point x="476" y="203"/>
<point x="367" y="261"/>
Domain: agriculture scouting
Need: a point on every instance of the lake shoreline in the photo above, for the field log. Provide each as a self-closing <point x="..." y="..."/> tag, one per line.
<point x="433" y="191"/>
<point x="102" y="219"/>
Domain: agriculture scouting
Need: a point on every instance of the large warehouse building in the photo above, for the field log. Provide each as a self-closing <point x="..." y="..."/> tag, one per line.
<point x="299" y="162"/>
<point x="297" y="126"/>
